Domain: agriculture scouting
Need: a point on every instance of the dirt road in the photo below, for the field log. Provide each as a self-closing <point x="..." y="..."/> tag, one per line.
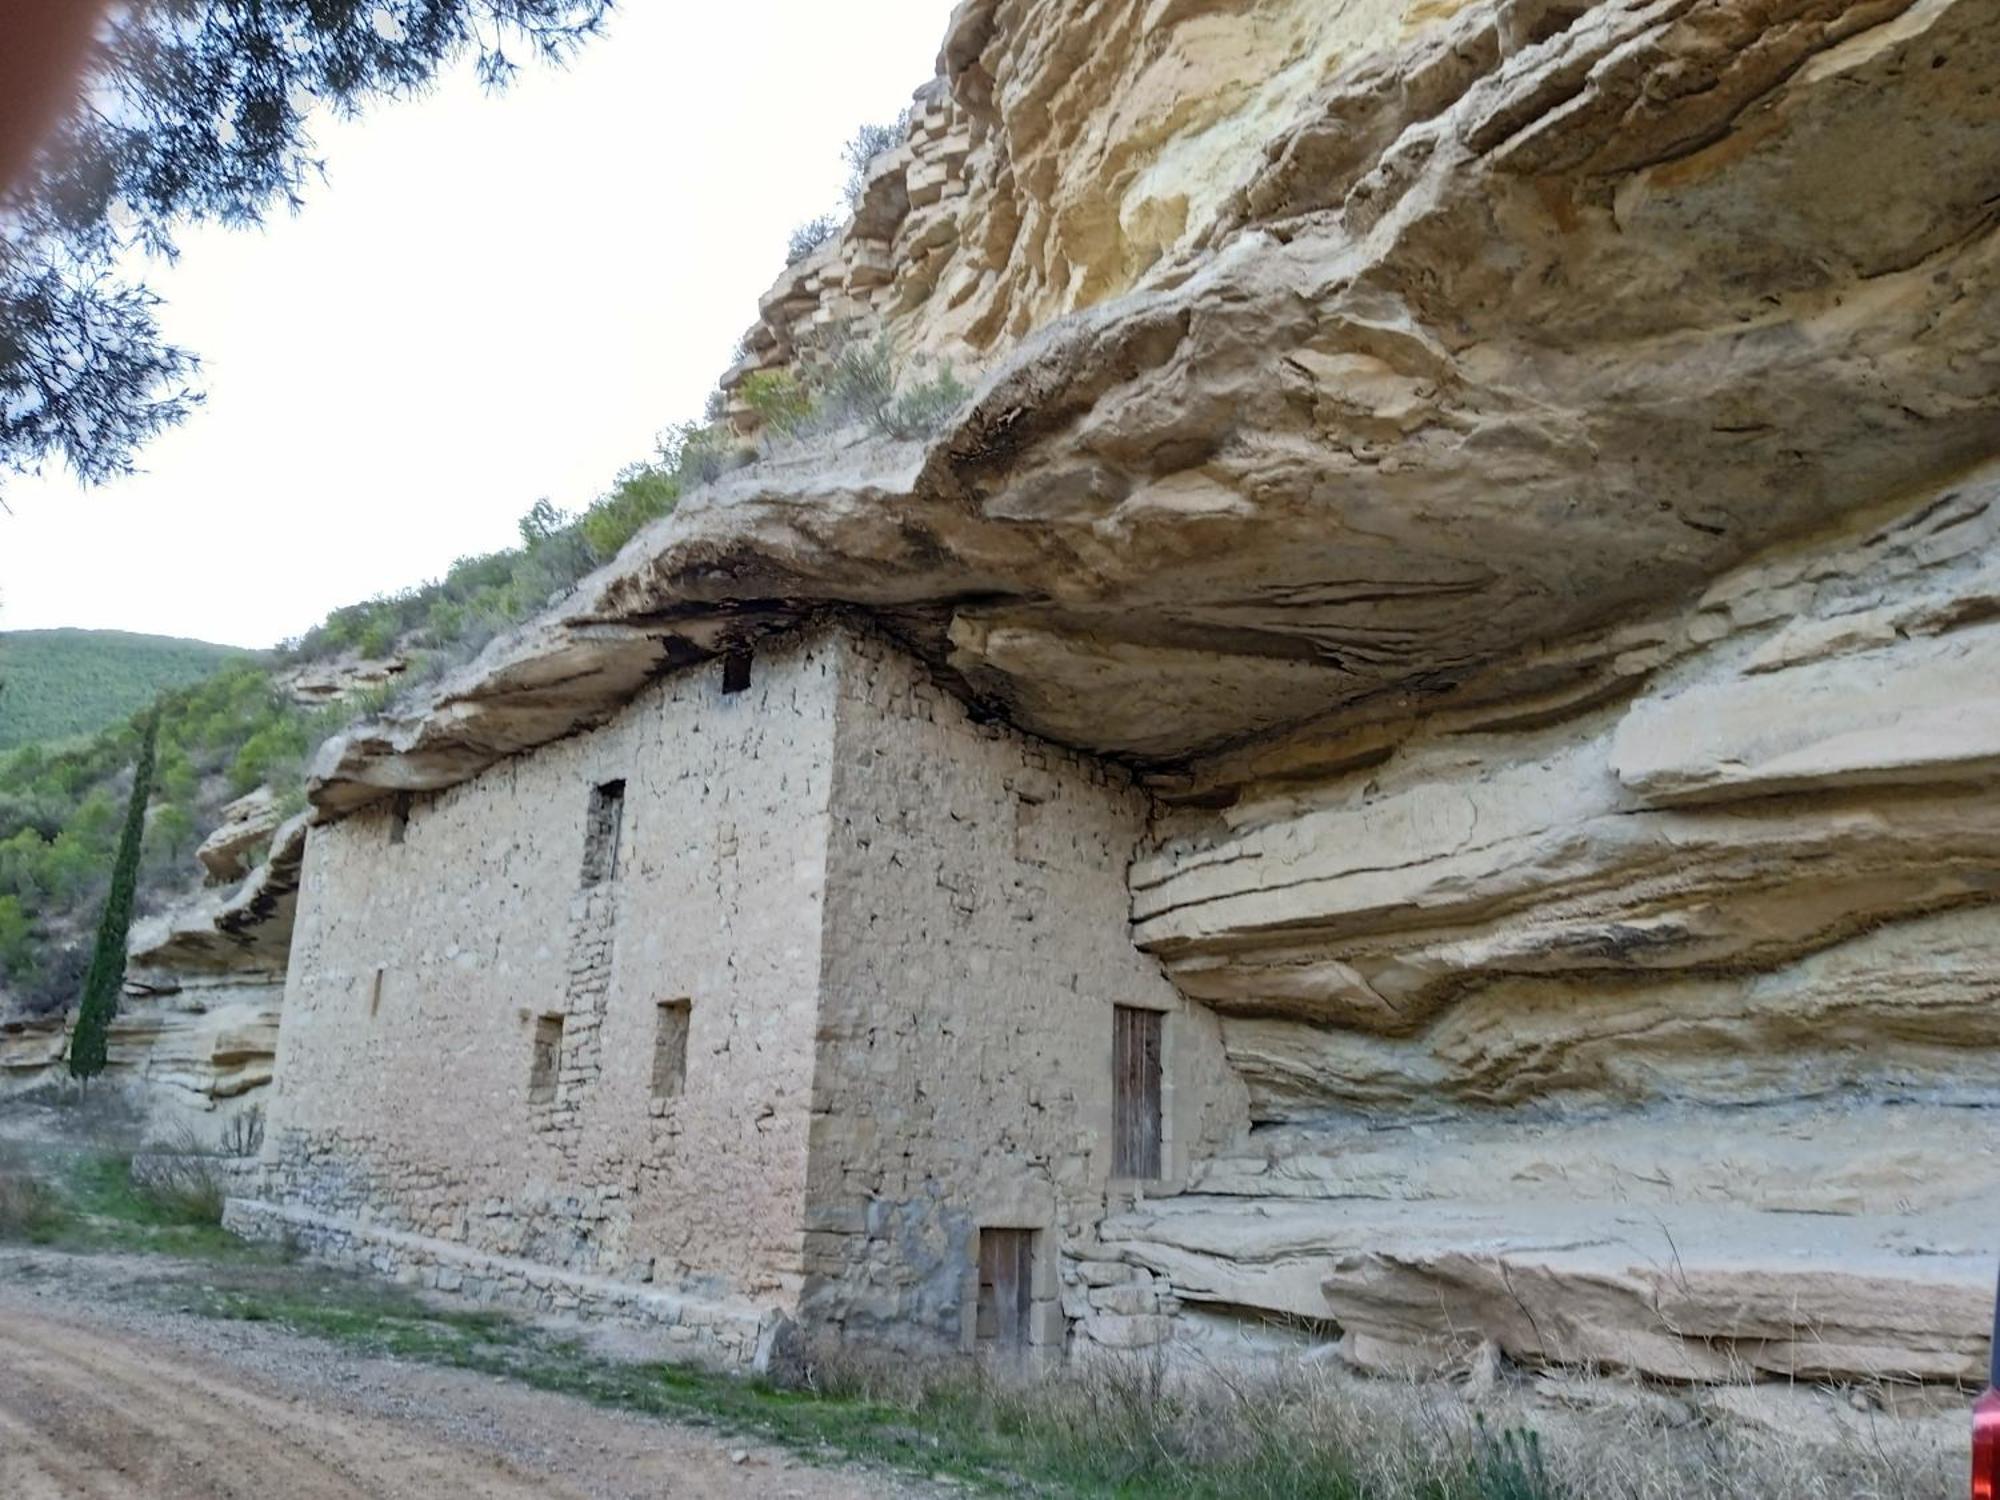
<point x="91" y="1406"/>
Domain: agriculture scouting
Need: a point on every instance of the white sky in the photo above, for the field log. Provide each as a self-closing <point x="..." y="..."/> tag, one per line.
<point x="490" y="299"/>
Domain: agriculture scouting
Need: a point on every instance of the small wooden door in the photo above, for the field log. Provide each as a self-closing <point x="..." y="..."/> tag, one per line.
<point x="1135" y="1092"/>
<point x="1006" y="1286"/>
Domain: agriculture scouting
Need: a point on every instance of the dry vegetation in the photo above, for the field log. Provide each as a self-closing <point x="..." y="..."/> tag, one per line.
<point x="1125" y="1427"/>
<point x="1111" y="1427"/>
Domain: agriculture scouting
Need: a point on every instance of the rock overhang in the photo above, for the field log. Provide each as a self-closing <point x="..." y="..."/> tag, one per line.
<point x="1505" y="337"/>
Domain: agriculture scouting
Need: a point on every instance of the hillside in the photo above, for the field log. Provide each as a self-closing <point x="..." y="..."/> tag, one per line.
<point x="59" y="684"/>
<point x="231" y="721"/>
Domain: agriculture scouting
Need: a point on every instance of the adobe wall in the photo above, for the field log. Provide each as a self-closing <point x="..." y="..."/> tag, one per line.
<point x="976" y="941"/>
<point x="402" y="1131"/>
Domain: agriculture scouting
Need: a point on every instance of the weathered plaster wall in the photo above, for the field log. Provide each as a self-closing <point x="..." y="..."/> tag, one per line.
<point x="405" y="1104"/>
<point x="975" y="947"/>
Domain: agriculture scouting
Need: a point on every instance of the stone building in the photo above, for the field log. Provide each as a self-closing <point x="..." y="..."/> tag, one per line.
<point x="792" y="995"/>
<point x="1499" y="502"/>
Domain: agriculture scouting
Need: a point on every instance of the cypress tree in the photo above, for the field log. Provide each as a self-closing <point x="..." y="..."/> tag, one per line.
<point x="89" y="1045"/>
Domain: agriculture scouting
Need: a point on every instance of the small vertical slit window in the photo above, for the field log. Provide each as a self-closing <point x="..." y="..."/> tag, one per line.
<point x="1006" y="1288"/>
<point x="399" y="817"/>
<point x="1135" y="1093"/>
<point x="545" y="1066"/>
<point x="670" y="1048"/>
<point x="736" y="672"/>
<point x="375" y="993"/>
<point x="600" y="834"/>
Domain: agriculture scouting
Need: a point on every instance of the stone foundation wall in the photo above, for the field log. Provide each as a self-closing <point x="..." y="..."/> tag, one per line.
<point x="975" y="947"/>
<point x="729" y="1334"/>
<point x="433" y="955"/>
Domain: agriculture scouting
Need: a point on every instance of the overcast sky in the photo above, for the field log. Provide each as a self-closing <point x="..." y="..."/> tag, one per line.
<point x="490" y="299"/>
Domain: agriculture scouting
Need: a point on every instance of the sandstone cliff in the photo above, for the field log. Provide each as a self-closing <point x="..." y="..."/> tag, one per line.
<point x="1510" y="474"/>
<point x="196" y="1033"/>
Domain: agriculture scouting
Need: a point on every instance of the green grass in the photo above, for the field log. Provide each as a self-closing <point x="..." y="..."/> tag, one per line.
<point x="87" y="1201"/>
<point x="373" y="1318"/>
<point x="62" y="684"/>
<point x="1115" y="1432"/>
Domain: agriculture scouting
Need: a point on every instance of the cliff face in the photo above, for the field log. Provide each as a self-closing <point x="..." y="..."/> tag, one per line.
<point x="1511" y="475"/>
<point x="1486" y="326"/>
<point x="196" y="1034"/>
<point x="1568" y="1004"/>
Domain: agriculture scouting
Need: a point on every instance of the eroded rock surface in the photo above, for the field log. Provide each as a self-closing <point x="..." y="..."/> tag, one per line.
<point x="226" y="854"/>
<point x="1511" y="474"/>
<point x="1469" y="328"/>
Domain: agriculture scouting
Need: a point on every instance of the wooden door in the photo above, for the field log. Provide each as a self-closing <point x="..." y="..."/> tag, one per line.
<point x="1135" y="1093"/>
<point x="1006" y="1286"/>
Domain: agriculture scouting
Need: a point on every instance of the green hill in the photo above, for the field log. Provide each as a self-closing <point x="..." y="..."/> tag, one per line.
<point x="58" y="684"/>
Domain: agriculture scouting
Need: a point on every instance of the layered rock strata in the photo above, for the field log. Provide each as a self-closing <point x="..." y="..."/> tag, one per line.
<point x="196" y="1034"/>
<point x="1484" y="326"/>
<point x="1508" y="475"/>
<point x="1656" y="1033"/>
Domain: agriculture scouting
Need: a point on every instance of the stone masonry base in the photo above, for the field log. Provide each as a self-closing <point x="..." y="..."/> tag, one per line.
<point x="723" y="1334"/>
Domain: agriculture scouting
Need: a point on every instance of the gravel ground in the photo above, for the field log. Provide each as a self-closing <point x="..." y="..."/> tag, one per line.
<point x="107" y="1394"/>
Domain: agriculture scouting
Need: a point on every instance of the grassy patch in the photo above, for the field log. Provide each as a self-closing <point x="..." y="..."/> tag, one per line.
<point x="1102" y="1429"/>
<point x="29" y="1211"/>
<point x="1111" y="1432"/>
<point x="88" y="1200"/>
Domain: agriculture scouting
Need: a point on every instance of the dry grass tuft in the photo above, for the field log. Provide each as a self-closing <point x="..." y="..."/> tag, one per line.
<point x="179" y="1184"/>
<point x="1127" y="1426"/>
<point x="29" y="1210"/>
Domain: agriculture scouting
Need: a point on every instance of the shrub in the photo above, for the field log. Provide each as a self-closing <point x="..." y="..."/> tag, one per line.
<point x="1510" y="1466"/>
<point x="923" y="410"/>
<point x="780" y="400"/>
<point x="179" y="1188"/>
<point x="853" y="383"/>
<point x="808" y="237"/>
<point x="243" y="1135"/>
<point x="858" y="383"/>
<point x="867" y="143"/>
<point x="643" y="493"/>
<point x="699" y="455"/>
<point x="28" y="1209"/>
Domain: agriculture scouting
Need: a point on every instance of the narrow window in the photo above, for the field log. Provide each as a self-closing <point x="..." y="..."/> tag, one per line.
<point x="736" y="672"/>
<point x="1006" y="1287"/>
<point x="670" y="1048"/>
<point x="600" y="834"/>
<point x="375" y="994"/>
<point x="399" y="817"/>
<point x="546" y="1066"/>
<point x="1135" y="1092"/>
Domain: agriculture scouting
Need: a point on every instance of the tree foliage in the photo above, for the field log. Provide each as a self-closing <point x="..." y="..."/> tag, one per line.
<point x="56" y="684"/>
<point x="193" y="111"/>
<point x="241" y="727"/>
<point x="867" y="143"/>
<point x="89" y="1044"/>
<point x="809" y="236"/>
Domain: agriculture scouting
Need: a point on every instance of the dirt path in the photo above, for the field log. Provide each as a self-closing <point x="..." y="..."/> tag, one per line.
<point x="91" y="1406"/>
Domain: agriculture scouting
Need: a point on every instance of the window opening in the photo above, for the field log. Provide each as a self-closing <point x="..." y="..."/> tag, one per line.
<point x="736" y="672"/>
<point x="600" y="834"/>
<point x="546" y="1067"/>
<point x="670" y="1048"/>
